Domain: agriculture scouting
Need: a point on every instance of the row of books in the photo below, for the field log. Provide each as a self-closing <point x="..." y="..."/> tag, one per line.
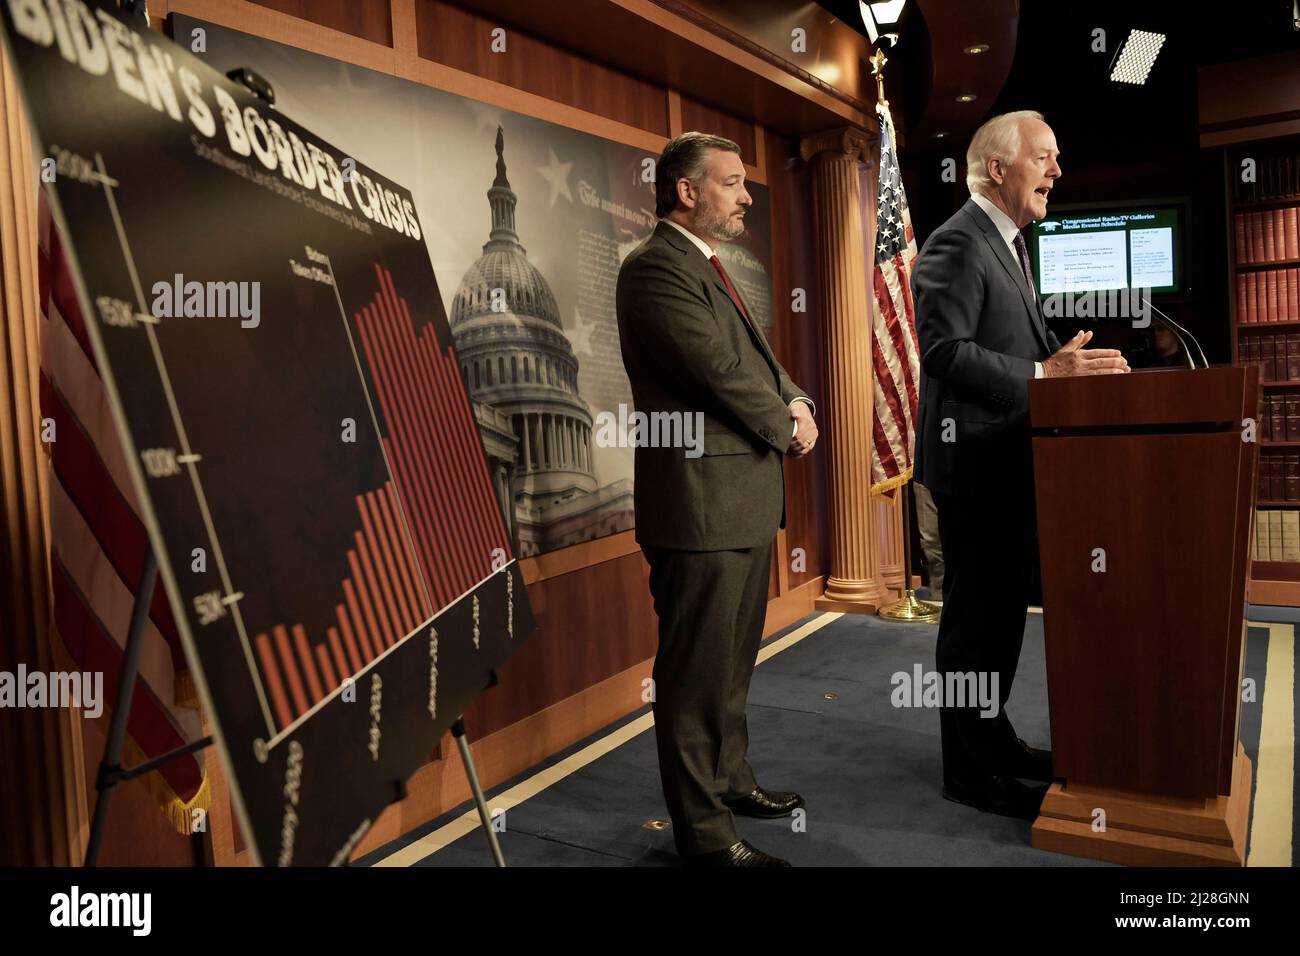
<point x="1269" y="236"/>
<point x="1271" y="295"/>
<point x="1277" y="535"/>
<point x="1276" y="353"/>
<point x="1279" y="476"/>
<point x="1276" y="176"/>
<point x="1280" y="417"/>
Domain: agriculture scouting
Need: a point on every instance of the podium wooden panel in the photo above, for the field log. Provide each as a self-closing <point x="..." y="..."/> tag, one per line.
<point x="1144" y="488"/>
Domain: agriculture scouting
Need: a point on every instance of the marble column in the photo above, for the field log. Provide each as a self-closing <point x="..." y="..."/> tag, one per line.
<point x="855" y="583"/>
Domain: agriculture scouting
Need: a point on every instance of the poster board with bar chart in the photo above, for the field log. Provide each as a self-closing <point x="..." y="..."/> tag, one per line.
<point x="265" y="317"/>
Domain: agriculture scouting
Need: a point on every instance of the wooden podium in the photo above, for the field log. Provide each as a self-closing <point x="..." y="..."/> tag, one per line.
<point x="1145" y="486"/>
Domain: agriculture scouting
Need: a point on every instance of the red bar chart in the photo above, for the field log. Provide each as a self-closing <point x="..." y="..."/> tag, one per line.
<point x="433" y="446"/>
<point x="382" y="601"/>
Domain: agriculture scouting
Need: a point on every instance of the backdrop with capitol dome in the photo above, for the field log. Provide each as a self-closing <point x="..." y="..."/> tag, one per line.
<point x="414" y="89"/>
<point x="526" y="222"/>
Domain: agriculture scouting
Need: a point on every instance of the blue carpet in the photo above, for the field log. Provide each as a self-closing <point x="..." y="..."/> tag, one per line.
<point x="870" y="772"/>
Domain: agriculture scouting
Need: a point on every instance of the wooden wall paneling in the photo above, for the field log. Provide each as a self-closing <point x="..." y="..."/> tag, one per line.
<point x="707" y="119"/>
<point x="676" y="46"/>
<point x="578" y="556"/>
<point x="43" y="814"/>
<point x="590" y="624"/>
<point x="462" y="39"/>
<point x="781" y="564"/>
<point x="367" y="19"/>
<point x="402" y="15"/>
<point x="453" y="80"/>
<point x="797" y="346"/>
<point x="252" y="18"/>
<point x="1248" y="100"/>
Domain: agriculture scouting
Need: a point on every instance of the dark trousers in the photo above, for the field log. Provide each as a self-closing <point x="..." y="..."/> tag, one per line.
<point x="990" y="567"/>
<point x="711" y="607"/>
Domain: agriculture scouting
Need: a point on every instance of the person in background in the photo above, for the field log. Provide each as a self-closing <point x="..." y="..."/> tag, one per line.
<point x="927" y="523"/>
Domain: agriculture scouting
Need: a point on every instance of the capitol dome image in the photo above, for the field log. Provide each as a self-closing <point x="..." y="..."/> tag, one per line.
<point x="522" y="376"/>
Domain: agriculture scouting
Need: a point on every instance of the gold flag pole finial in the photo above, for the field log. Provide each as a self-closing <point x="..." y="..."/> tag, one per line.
<point x="878" y="61"/>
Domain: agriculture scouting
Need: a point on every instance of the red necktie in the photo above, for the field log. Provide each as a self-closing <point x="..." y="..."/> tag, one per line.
<point x="731" y="289"/>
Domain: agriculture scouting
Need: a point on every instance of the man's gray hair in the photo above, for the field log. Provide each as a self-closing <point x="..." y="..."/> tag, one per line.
<point x="998" y="138"/>
<point x="685" y="157"/>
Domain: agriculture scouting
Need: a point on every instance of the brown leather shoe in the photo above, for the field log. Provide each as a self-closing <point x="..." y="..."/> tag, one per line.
<point x="766" y="804"/>
<point x="739" y="853"/>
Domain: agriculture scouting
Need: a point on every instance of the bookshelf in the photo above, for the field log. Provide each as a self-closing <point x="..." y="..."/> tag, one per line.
<point x="1264" y="291"/>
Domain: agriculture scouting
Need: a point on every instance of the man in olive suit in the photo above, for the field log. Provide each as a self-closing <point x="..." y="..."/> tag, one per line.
<point x="706" y="521"/>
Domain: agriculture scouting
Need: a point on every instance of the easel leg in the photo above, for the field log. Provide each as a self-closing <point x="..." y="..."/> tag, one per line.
<point x="458" y="731"/>
<point x="111" y="763"/>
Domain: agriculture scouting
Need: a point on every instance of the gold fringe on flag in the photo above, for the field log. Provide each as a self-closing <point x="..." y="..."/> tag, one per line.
<point x="890" y="484"/>
<point x="178" y="813"/>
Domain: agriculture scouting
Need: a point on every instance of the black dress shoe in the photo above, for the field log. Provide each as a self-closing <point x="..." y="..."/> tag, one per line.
<point x="739" y="853"/>
<point x="766" y="804"/>
<point x="1001" y="795"/>
<point x="1030" y="763"/>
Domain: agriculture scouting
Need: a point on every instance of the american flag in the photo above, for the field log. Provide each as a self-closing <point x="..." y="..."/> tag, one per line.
<point x="99" y="545"/>
<point x="894" y="352"/>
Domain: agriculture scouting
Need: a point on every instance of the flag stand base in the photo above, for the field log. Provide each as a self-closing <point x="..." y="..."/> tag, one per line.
<point x="910" y="610"/>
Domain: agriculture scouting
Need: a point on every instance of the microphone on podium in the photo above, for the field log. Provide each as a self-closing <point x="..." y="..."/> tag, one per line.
<point x="1191" y="363"/>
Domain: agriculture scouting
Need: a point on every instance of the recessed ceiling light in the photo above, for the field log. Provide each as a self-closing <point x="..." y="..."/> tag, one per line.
<point x="965" y="97"/>
<point x="976" y="48"/>
<point x="1136" y="56"/>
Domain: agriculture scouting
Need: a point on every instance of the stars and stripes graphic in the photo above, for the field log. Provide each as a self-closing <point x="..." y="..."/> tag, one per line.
<point x="98" y="549"/>
<point x="894" y="352"/>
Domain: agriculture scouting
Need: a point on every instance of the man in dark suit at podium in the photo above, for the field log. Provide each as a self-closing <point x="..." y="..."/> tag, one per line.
<point x="982" y="337"/>
<point x="706" y="517"/>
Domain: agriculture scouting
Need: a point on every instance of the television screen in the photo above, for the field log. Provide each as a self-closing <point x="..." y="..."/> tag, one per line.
<point x="1113" y="247"/>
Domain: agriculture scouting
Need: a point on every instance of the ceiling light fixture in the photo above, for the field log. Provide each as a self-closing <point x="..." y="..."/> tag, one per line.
<point x="878" y="17"/>
<point x="1136" y="55"/>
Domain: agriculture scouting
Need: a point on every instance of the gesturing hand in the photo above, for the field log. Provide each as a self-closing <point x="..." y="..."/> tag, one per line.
<point x="1074" y="359"/>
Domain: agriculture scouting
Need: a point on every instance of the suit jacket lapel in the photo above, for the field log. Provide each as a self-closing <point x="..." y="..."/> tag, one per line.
<point x="1003" y="254"/>
<point x="705" y="270"/>
<point x="746" y="320"/>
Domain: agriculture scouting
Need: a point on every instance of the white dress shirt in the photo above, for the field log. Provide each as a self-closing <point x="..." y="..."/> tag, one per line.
<point x="1008" y="230"/>
<point x="707" y="251"/>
